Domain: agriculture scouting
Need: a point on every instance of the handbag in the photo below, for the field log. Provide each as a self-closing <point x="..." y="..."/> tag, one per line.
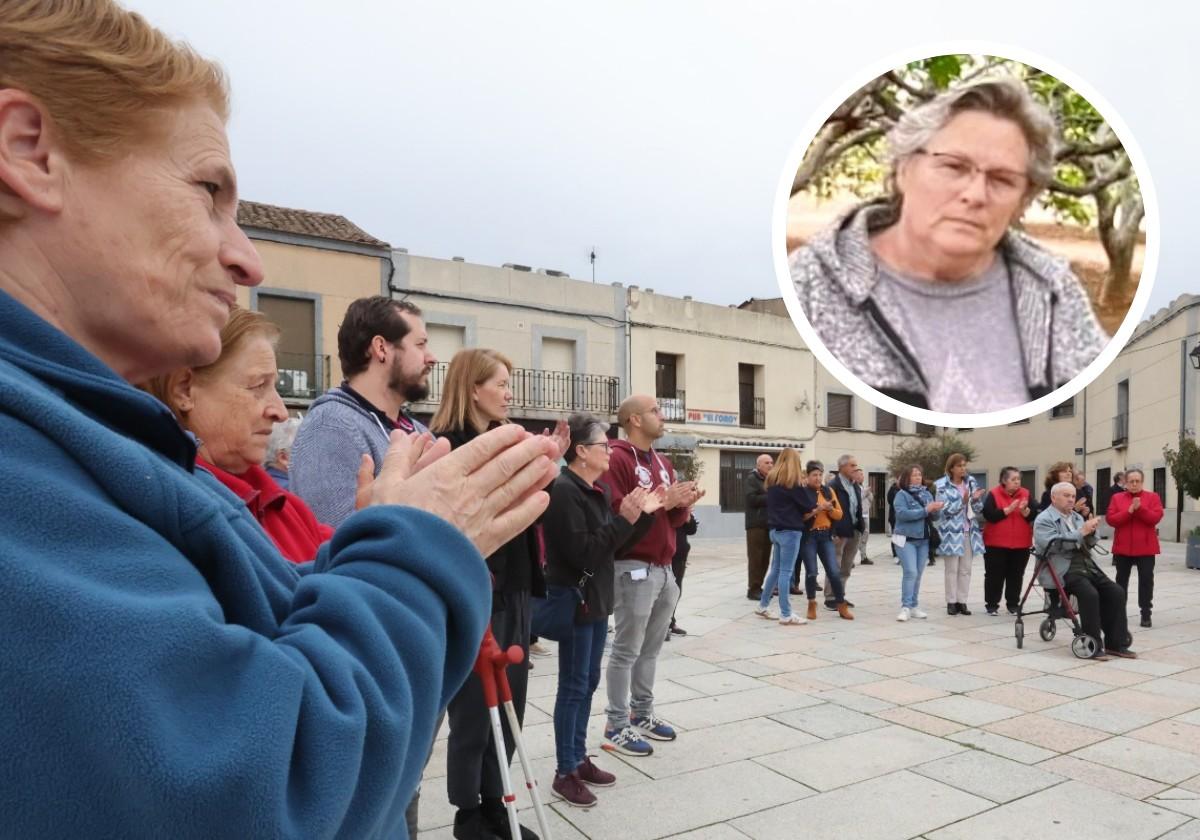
<point x="553" y="617"/>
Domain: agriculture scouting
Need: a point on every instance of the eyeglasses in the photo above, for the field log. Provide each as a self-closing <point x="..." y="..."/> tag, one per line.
<point x="955" y="171"/>
<point x="606" y="444"/>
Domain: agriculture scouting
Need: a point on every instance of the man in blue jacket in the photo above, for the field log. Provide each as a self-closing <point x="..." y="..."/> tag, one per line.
<point x="166" y="673"/>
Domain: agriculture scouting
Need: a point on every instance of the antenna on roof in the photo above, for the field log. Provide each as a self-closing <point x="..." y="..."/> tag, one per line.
<point x="592" y="256"/>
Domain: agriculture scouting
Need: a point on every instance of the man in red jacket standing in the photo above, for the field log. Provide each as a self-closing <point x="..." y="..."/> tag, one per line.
<point x="1134" y="515"/>
<point x="645" y="591"/>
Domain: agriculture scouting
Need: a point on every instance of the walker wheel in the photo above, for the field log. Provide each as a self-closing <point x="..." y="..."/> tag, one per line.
<point x="1047" y="629"/>
<point x="1019" y="632"/>
<point x="1084" y="646"/>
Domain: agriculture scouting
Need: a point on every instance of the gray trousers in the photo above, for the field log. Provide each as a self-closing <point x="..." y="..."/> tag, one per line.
<point x="472" y="770"/>
<point x="412" y="812"/>
<point x="642" y="613"/>
<point x="847" y="548"/>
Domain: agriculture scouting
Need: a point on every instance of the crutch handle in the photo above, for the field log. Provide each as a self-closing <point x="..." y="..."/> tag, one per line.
<point x="490" y="665"/>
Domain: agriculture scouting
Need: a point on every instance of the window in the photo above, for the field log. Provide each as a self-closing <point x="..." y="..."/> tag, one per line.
<point x="1066" y="408"/>
<point x="1103" y="490"/>
<point x="1120" y="435"/>
<point x="924" y="429"/>
<point x="296" y="354"/>
<point x="1029" y="482"/>
<point x="558" y="354"/>
<point x="1160" y="484"/>
<point x="446" y="340"/>
<point x="885" y="421"/>
<point x="839" y="410"/>
<point x="980" y="478"/>
<point x="735" y="466"/>
<point x="751" y="407"/>
<point x="664" y="376"/>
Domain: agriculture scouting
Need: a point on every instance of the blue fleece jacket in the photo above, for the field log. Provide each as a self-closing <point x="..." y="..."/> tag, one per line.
<point x="165" y="672"/>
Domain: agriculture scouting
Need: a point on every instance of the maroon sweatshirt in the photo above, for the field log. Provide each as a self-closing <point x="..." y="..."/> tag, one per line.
<point x="630" y="467"/>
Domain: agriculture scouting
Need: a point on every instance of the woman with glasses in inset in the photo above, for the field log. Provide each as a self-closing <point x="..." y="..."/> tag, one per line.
<point x="929" y="295"/>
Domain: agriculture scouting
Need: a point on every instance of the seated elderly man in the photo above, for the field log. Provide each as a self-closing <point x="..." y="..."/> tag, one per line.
<point x="1101" y="601"/>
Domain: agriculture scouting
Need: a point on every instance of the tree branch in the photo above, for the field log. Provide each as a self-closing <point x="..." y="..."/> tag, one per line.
<point x="1119" y="171"/>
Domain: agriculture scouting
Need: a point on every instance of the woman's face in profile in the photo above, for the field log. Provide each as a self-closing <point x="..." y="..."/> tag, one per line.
<point x="959" y="195"/>
<point x="155" y="255"/>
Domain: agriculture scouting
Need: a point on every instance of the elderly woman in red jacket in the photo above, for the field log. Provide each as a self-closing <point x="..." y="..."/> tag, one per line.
<point x="231" y="406"/>
<point x="1134" y="516"/>
<point x="1007" y="536"/>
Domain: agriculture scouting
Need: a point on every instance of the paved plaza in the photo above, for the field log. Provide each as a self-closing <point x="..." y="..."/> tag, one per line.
<point x="877" y="730"/>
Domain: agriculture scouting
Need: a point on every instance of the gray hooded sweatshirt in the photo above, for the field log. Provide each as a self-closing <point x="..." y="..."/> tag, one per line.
<point x="835" y="276"/>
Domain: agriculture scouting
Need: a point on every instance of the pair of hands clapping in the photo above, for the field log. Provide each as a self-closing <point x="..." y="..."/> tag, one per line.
<point x="641" y="500"/>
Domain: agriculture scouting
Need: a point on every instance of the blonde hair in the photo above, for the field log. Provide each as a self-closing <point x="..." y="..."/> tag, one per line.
<point x="467" y="369"/>
<point x="242" y="326"/>
<point x="104" y="74"/>
<point x="787" y="472"/>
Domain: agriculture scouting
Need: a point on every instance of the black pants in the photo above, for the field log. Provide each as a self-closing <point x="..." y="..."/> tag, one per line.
<point x="1101" y="605"/>
<point x="678" y="567"/>
<point x="1145" y="570"/>
<point x="1003" y="574"/>
<point x="471" y="767"/>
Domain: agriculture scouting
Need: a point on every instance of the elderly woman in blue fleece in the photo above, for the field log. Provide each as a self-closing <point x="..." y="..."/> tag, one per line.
<point x="166" y="673"/>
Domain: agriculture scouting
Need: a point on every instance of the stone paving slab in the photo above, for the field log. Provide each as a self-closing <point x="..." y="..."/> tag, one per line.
<point x="969" y="711"/>
<point x="1047" y="732"/>
<point x="913" y="804"/>
<point x="828" y="720"/>
<point x="1152" y="761"/>
<point x="1097" y="775"/>
<point x="989" y="776"/>
<point x="1070" y="811"/>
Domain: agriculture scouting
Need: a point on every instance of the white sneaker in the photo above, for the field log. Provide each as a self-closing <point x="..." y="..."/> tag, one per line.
<point x="794" y="619"/>
<point x="917" y="612"/>
<point x="765" y="612"/>
<point x="903" y="616"/>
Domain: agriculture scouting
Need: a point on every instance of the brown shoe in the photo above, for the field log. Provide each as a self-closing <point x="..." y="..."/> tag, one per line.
<point x="590" y="774"/>
<point x="844" y="611"/>
<point x="812" y="609"/>
<point x="1124" y="653"/>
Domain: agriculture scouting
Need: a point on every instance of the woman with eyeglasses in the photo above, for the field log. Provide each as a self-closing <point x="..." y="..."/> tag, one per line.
<point x="583" y="537"/>
<point x="929" y="295"/>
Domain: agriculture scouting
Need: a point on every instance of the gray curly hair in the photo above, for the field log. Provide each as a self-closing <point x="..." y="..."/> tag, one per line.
<point x="1005" y="98"/>
<point x="281" y="438"/>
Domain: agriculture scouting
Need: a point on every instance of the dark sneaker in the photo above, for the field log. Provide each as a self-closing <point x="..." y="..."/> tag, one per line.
<point x="470" y="825"/>
<point x="831" y="604"/>
<point x="951" y="609"/>
<point x="1146" y="621"/>
<point x="676" y="630"/>
<point x="962" y="610"/>
<point x="1012" y="610"/>
<point x="1124" y="653"/>
<point x="592" y="775"/>
<point x="573" y="790"/>
<point x="753" y="594"/>
<point x="627" y="741"/>
<point x="993" y="611"/>
<point x="866" y="561"/>
<point x="653" y="727"/>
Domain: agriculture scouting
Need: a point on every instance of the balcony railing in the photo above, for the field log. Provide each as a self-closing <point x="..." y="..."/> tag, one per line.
<point x="548" y="390"/>
<point x="753" y="413"/>
<point x="1120" y="430"/>
<point x="674" y="409"/>
<point x="302" y="376"/>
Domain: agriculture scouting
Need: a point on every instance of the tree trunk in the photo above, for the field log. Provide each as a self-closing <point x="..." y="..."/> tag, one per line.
<point x="1120" y="239"/>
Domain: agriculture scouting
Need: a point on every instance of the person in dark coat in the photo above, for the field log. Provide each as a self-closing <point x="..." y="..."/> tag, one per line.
<point x="475" y="398"/>
<point x="679" y="565"/>
<point x="583" y="537"/>
<point x="758" y="536"/>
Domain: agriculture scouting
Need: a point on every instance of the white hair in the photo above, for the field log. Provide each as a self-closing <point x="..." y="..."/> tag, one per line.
<point x="281" y="438"/>
<point x="1061" y="486"/>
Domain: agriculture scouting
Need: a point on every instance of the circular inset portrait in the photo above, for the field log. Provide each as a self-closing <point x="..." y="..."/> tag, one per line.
<point x="966" y="234"/>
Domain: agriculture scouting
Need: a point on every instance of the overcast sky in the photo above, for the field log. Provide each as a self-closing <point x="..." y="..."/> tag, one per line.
<point x="655" y="132"/>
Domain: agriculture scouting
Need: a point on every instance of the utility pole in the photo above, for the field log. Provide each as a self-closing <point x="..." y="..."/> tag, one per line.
<point x="592" y="256"/>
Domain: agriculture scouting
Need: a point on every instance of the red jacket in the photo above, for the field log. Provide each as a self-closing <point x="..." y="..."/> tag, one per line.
<point x="1136" y="535"/>
<point x="629" y="467"/>
<point x="287" y="520"/>
<point x="1002" y="530"/>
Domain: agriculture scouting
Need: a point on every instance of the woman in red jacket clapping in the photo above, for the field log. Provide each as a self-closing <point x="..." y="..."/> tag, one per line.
<point x="1134" y="516"/>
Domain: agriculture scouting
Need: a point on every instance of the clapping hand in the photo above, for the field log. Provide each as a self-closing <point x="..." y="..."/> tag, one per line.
<point x="633" y="503"/>
<point x="561" y="436"/>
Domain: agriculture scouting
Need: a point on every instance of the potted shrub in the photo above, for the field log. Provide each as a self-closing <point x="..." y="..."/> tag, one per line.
<point x="1184" y="464"/>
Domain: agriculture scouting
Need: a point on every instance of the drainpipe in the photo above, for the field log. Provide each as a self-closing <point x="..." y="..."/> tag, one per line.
<point x="1183" y="366"/>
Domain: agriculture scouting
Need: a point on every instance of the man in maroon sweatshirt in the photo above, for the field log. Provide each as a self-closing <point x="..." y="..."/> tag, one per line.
<point x="644" y="589"/>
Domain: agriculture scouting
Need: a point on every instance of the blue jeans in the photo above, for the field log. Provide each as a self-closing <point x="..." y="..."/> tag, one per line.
<point x="820" y="544"/>
<point x="783" y="560"/>
<point x="578" y="675"/>
<point x="914" y="555"/>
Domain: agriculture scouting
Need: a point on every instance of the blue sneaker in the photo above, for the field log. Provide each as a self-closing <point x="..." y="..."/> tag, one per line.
<point x="626" y="740"/>
<point x="653" y="727"/>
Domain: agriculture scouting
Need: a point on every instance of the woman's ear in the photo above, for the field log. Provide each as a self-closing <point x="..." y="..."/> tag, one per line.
<point x="180" y="390"/>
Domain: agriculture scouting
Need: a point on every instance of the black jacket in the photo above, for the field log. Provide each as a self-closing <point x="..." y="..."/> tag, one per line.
<point x="756" y="501"/>
<point x="516" y="565"/>
<point x="848" y="526"/>
<point x="584" y="535"/>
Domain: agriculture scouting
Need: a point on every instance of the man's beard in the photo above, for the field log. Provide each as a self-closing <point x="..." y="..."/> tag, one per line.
<point x="411" y="391"/>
